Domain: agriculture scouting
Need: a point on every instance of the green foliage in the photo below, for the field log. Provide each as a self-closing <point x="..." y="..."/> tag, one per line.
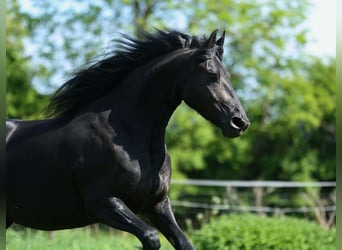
<point x="22" y="100"/>
<point x="243" y="232"/>
<point x="293" y="118"/>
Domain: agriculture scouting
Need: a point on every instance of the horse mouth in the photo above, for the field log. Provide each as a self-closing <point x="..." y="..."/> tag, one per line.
<point x="231" y="132"/>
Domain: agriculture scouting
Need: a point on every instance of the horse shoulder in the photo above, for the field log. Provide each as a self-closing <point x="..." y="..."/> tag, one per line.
<point x="98" y="159"/>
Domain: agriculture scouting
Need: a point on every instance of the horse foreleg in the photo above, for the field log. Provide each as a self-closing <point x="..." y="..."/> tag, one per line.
<point x="114" y="212"/>
<point x="162" y="217"/>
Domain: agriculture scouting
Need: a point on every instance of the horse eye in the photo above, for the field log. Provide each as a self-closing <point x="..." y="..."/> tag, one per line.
<point x="212" y="77"/>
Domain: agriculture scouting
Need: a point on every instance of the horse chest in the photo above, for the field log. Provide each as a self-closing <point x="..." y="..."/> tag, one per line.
<point x="149" y="182"/>
<point x="146" y="194"/>
<point x="152" y="180"/>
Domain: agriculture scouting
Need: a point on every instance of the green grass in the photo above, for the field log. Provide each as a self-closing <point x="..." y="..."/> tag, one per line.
<point x="76" y="239"/>
<point x="227" y="232"/>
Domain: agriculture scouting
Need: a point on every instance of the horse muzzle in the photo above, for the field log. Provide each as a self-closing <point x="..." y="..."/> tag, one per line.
<point x="235" y="127"/>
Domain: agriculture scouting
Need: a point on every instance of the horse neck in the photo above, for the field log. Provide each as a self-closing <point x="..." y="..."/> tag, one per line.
<point x="147" y="98"/>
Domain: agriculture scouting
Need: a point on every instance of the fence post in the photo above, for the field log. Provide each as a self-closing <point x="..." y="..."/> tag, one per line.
<point x="259" y="194"/>
<point x="232" y="195"/>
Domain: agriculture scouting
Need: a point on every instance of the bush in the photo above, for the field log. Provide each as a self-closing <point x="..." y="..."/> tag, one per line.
<point x="252" y="232"/>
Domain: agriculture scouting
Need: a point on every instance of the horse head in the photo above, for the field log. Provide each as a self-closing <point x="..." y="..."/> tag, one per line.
<point x="209" y="91"/>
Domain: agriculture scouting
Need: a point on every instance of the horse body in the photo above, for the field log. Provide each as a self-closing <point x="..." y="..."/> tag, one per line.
<point x="39" y="179"/>
<point x="66" y="175"/>
<point x="107" y="161"/>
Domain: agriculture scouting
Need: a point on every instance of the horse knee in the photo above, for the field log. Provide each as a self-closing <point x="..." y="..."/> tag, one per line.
<point x="150" y="240"/>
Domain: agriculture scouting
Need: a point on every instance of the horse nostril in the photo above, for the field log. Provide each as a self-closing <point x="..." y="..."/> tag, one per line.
<point x="239" y="123"/>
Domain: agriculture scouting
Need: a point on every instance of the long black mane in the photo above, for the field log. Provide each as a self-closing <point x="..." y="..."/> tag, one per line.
<point x="90" y="84"/>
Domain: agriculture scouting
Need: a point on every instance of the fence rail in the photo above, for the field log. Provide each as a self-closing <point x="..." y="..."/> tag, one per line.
<point x="279" y="184"/>
<point x="283" y="210"/>
<point x="318" y="208"/>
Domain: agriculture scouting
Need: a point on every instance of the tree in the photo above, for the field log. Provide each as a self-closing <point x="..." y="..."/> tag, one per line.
<point x="22" y="101"/>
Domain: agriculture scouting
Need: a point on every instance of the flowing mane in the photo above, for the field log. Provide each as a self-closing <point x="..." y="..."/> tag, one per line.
<point x="92" y="83"/>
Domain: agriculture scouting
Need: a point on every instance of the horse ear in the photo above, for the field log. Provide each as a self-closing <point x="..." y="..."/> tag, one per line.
<point x="211" y="40"/>
<point x="220" y="41"/>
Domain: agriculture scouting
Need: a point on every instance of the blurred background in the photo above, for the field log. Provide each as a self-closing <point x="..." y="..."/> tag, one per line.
<point x="281" y="57"/>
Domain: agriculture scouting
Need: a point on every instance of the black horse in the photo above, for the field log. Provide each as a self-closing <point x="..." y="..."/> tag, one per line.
<point x="102" y="158"/>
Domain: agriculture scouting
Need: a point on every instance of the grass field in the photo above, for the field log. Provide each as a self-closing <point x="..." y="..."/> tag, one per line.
<point x="226" y="232"/>
<point x="76" y="239"/>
